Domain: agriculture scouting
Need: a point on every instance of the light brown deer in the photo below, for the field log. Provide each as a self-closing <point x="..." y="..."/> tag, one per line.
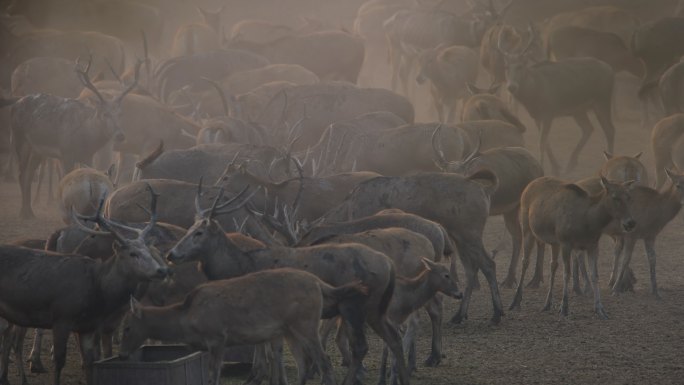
<point x="81" y="190"/>
<point x="652" y="210"/>
<point x="568" y="218"/>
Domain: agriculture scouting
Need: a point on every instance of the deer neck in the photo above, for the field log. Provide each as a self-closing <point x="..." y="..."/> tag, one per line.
<point x="164" y="323"/>
<point x="672" y="199"/>
<point x="410" y="295"/>
<point x="223" y="259"/>
<point x="115" y="281"/>
<point x="598" y="212"/>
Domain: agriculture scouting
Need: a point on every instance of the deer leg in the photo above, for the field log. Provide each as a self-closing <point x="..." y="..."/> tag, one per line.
<point x="354" y="317"/>
<point x="41" y="177"/>
<point x="434" y="310"/>
<point x="587" y="129"/>
<point x="604" y="116"/>
<point x="618" y="246"/>
<point x="382" y="378"/>
<point x="576" y="285"/>
<point x="592" y="254"/>
<point x="554" y="267"/>
<point x="515" y="230"/>
<point x="566" y="254"/>
<point x="582" y="262"/>
<point x="60" y="333"/>
<point x="26" y="180"/>
<point x="342" y="342"/>
<point x="649" y="245"/>
<point x="545" y="147"/>
<point x="409" y="342"/>
<point x="311" y="345"/>
<point x="381" y="325"/>
<point x="259" y="366"/>
<point x="86" y="342"/>
<point x="216" y="362"/>
<point x="17" y="342"/>
<point x="528" y="244"/>
<point x="622" y="280"/>
<point x="35" y="363"/>
<point x="5" y="352"/>
<point x="538" y="277"/>
<point x="52" y="170"/>
<point x="471" y="277"/>
<point x="474" y="251"/>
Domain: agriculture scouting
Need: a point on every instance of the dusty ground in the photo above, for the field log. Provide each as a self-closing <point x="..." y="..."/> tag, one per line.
<point x="641" y="343"/>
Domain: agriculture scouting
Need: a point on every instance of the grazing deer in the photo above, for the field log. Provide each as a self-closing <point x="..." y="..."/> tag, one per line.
<point x="253" y="309"/>
<point x="568" y="218"/>
<point x="569" y="87"/>
<point x="47" y="126"/>
<point x="207" y="243"/>
<point x="71" y="293"/>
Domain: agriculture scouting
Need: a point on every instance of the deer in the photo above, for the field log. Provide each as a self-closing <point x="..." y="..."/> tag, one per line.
<point x="568" y="87"/>
<point x="515" y="168"/>
<point x="666" y="143"/>
<point x="652" y="210"/>
<point x="80" y="292"/>
<point x="448" y="69"/>
<point x="405" y="238"/>
<point x="81" y="190"/>
<point x="238" y="311"/>
<point x="336" y="265"/>
<point x="483" y="104"/>
<point x="47" y="126"/>
<point x="411" y="294"/>
<point x="436" y="196"/>
<point x="569" y="218"/>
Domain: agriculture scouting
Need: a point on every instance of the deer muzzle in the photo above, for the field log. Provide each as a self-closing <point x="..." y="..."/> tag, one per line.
<point x="628" y="224"/>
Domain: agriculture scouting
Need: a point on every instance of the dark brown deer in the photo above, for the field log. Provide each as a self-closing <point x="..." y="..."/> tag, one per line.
<point x="437" y="196"/>
<point x="79" y="292"/>
<point x="336" y="265"/>
<point x="47" y="126"/>
<point x="253" y="309"/>
<point x="571" y="87"/>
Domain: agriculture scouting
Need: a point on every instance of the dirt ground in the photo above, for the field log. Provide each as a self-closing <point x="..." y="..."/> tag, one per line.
<point x="642" y="342"/>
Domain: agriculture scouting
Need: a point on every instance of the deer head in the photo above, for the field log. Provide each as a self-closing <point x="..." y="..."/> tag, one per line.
<point x="108" y="112"/>
<point x="143" y="259"/>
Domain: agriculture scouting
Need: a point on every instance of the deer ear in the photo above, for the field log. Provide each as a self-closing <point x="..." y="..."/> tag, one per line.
<point x="472" y="90"/>
<point x="135" y="307"/>
<point x="604" y="183"/>
<point x="637" y="156"/>
<point x="670" y="174"/>
<point x="607" y="155"/>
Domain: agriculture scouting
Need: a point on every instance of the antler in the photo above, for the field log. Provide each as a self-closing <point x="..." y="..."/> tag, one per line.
<point x="130" y="88"/>
<point x="152" y="212"/>
<point x="85" y="78"/>
<point x="221" y="93"/>
<point x="287" y="227"/>
<point x="441" y="161"/>
<point x="216" y="208"/>
<point x="97" y="218"/>
<point x="476" y="150"/>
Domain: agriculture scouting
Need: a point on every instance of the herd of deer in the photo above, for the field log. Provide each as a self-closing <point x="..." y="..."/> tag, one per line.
<point x="302" y="196"/>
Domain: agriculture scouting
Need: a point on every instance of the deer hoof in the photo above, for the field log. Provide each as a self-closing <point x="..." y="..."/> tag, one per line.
<point x="433" y="360"/>
<point x="457" y="319"/>
<point x="601" y="313"/>
<point x="509" y="283"/>
<point x="37" y="367"/>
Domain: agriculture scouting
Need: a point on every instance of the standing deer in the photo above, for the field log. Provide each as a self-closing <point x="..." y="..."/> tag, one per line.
<point x="515" y="168"/>
<point x="483" y="104"/>
<point x="652" y="210"/>
<point x="47" y="126"/>
<point x="256" y="308"/>
<point x="71" y="293"/>
<point x="207" y="243"/>
<point x="667" y="142"/>
<point x="568" y="218"/>
<point x="569" y="87"/>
